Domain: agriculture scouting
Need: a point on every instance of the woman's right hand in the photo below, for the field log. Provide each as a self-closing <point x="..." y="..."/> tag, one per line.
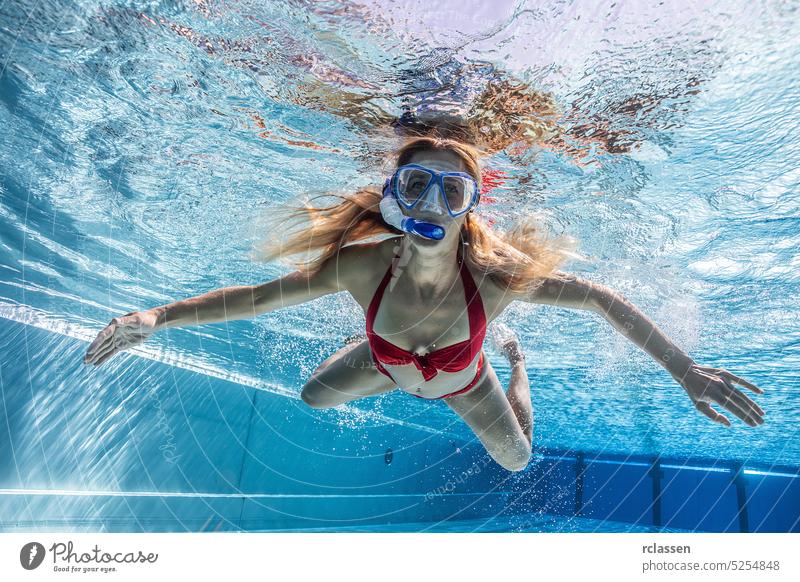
<point x="122" y="333"/>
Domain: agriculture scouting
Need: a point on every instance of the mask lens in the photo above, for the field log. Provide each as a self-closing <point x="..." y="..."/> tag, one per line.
<point x="411" y="183"/>
<point x="459" y="192"/>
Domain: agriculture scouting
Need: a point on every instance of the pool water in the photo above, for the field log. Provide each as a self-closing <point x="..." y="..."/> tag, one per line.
<point x="141" y="141"/>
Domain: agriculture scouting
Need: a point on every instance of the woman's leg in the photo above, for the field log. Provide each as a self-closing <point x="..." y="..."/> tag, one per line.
<point x="347" y="375"/>
<point x="519" y="388"/>
<point x="490" y="414"/>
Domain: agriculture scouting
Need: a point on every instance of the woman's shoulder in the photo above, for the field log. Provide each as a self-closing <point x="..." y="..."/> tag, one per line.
<point x="363" y="260"/>
<point x="369" y="253"/>
<point x="363" y="264"/>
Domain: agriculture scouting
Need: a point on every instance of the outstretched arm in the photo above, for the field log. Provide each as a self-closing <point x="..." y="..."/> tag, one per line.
<point x="226" y="304"/>
<point x="246" y="301"/>
<point x="703" y="384"/>
<point x="570" y="291"/>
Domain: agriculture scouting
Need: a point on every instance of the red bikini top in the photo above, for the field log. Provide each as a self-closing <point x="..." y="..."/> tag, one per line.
<point x="451" y="358"/>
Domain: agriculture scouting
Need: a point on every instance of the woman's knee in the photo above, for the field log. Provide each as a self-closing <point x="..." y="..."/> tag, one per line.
<point x="314" y="395"/>
<point x="514" y="458"/>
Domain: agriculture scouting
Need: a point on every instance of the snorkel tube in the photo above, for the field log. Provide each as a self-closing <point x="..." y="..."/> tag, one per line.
<point x="393" y="215"/>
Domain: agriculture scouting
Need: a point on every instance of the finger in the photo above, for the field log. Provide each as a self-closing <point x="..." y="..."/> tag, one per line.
<point x="729" y="403"/>
<point x="736" y="380"/>
<point x="107" y="356"/>
<point x="706" y="409"/>
<point x="99" y="341"/>
<point x="728" y="400"/>
<point x="752" y="409"/>
<point x="746" y="399"/>
<point x="712" y="414"/>
<point x="91" y="358"/>
<point x="111" y="346"/>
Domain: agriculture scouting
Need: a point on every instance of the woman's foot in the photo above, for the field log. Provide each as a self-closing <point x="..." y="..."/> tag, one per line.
<point x="506" y="342"/>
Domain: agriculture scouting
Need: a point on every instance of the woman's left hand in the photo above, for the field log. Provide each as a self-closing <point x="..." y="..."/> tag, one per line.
<point x="707" y="385"/>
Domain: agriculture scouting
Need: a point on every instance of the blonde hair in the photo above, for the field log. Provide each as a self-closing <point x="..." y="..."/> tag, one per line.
<point x="517" y="260"/>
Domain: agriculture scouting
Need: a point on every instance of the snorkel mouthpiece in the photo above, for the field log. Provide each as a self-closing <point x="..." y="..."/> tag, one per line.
<point x="426" y="229"/>
<point x="390" y="210"/>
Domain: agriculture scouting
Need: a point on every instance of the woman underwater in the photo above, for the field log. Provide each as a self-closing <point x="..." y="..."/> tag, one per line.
<point x="428" y="295"/>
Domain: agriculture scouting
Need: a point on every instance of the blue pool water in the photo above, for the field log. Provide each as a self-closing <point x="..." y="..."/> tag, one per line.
<point x="142" y="140"/>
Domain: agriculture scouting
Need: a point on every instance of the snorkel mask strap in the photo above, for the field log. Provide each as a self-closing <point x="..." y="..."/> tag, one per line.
<point x="393" y="215"/>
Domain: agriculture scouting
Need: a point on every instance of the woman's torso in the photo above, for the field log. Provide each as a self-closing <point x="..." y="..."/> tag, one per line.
<point x="422" y="327"/>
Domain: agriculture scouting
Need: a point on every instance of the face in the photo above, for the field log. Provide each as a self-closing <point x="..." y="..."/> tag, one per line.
<point x="441" y="161"/>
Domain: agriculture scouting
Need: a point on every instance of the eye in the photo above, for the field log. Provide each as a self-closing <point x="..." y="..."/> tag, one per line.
<point x="415" y="186"/>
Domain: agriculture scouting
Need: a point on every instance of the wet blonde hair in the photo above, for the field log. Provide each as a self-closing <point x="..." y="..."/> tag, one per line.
<point x="517" y="259"/>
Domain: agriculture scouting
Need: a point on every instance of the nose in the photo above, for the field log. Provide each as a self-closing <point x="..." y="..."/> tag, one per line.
<point x="432" y="200"/>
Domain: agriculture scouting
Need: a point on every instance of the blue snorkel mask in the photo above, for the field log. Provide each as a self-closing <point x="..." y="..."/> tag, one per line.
<point x="412" y="185"/>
